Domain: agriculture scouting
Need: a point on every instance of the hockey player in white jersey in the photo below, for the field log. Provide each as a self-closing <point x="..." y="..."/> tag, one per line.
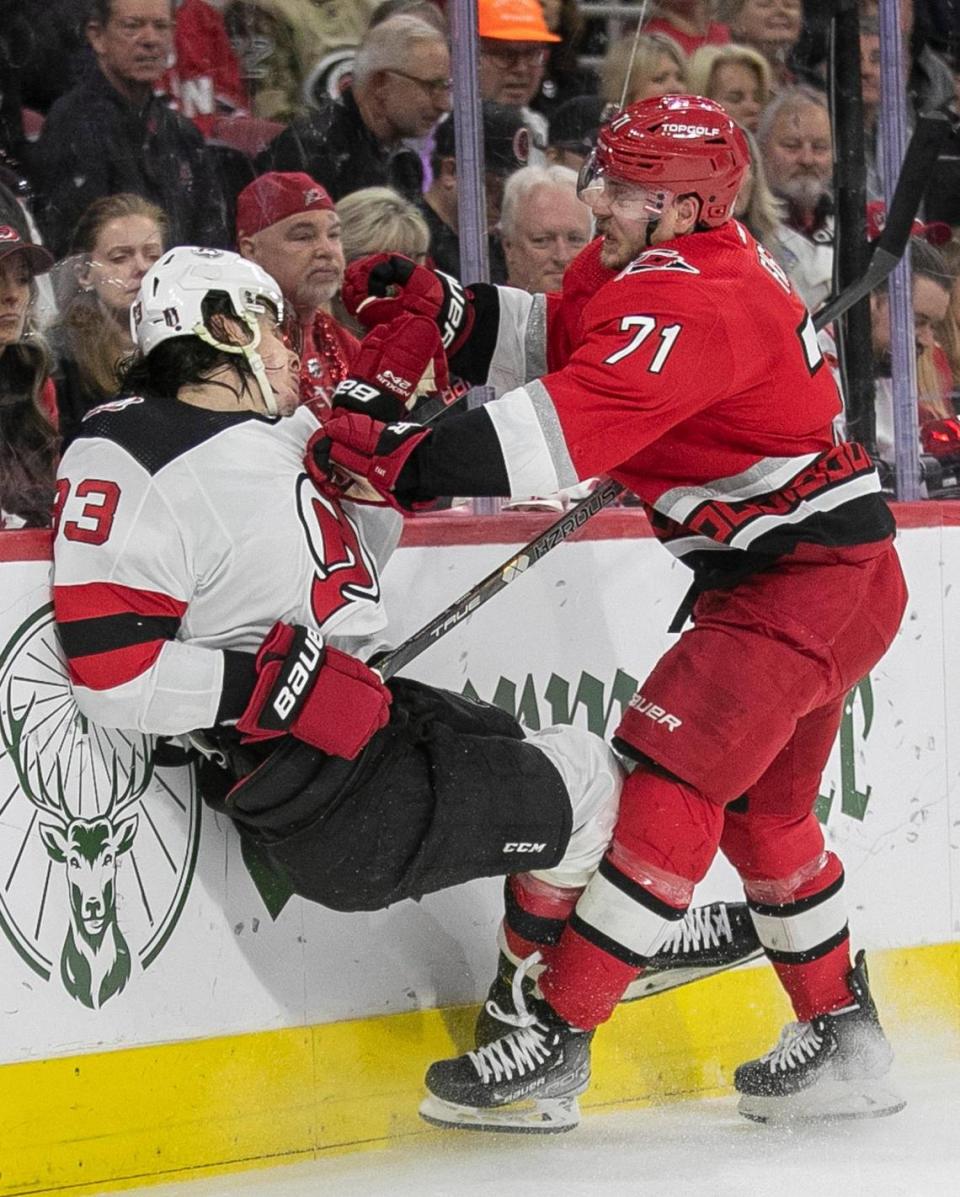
<point x="203" y="583"/>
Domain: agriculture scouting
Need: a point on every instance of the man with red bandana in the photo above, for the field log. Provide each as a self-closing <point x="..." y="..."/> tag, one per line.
<point x="679" y="360"/>
<point x="287" y="223"/>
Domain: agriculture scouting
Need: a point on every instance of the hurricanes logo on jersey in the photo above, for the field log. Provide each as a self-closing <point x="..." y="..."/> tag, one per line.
<point x="658" y="259"/>
<point x="344" y="572"/>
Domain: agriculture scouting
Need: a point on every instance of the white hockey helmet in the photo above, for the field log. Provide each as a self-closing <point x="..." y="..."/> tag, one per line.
<point x="170" y="303"/>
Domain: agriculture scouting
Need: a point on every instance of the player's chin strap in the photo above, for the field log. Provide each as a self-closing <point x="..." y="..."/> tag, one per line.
<point x="248" y="351"/>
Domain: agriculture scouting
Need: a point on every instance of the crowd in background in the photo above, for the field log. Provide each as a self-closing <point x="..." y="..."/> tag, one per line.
<point x="306" y="133"/>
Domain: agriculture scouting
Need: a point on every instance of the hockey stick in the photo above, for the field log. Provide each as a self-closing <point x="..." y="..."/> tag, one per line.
<point x="390" y="663"/>
<point x="560" y="530"/>
<point x="915" y="174"/>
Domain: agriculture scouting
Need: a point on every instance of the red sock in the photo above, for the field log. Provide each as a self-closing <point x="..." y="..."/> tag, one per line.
<point x="583" y="983"/>
<point x="820" y="985"/>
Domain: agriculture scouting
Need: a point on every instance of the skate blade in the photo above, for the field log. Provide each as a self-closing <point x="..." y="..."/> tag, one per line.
<point x="836" y="1103"/>
<point x="672" y="978"/>
<point x="548" y="1116"/>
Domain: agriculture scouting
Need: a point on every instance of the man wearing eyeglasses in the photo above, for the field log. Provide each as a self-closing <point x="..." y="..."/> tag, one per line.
<point x="514" y="40"/>
<point x="112" y="133"/>
<point x="401" y="88"/>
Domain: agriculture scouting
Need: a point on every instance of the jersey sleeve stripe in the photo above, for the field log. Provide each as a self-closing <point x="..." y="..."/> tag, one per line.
<point x="106" y="671"/>
<point x="92" y="600"/>
<point x="84" y="637"/>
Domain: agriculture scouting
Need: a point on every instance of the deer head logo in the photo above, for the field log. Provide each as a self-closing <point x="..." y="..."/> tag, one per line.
<point x="95" y="962"/>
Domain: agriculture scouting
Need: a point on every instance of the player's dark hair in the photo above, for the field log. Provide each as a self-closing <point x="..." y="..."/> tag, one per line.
<point x="182" y="361"/>
<point x="28" y="441"/>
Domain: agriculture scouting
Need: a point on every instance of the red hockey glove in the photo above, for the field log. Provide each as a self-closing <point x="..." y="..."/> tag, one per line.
<point x="393" y="359"/>
<point x="354" y="457"/>
<point x="941" y="438"/>
<point x="381" y="286"/>
<point x="316" y="693"/>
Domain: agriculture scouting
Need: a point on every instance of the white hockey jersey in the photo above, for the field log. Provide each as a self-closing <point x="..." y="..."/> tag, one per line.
<point x="182" y="535"/>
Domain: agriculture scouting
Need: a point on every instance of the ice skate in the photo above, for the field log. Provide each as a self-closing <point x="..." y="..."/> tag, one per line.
<point x="832" y="1067"/>
<point x="527" y="1080"/>
<point x="707" y="940"/>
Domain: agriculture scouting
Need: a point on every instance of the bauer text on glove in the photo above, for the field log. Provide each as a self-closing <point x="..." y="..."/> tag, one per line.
<point x="316" y="693"/>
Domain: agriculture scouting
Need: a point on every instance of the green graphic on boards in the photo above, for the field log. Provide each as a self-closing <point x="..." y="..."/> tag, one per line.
<point x="97" y="845"/>
<point x="599" y="706"/>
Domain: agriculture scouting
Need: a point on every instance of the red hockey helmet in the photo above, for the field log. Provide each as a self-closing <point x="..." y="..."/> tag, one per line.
<point x="667" y="146"/>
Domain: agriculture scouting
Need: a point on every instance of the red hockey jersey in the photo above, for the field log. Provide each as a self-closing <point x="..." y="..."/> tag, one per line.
<point x="694" y="377"/>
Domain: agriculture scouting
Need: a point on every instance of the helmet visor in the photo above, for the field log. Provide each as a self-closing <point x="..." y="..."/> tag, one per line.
<point x="605" y="194"/>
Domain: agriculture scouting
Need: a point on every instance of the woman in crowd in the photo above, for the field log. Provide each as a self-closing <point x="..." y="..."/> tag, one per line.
<point x="689" y="23"/>
<point x="757" y="206"/>
<point x="771" y="26"/>
<point x="115" y="243"/>
<point x="659" y="69"/>
<point x="378" y="220"/>
<point x="737" y="77"/>
<point x="28" y="438"/>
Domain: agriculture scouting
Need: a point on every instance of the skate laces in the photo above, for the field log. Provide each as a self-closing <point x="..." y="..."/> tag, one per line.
<point x="701" y="927"/>
<point x="798" y="1043"/>
<point x="521" y="1016"/>
<point x="519" y="1052"/>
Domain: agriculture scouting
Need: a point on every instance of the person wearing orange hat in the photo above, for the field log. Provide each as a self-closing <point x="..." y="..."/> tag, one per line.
<point x="514" y="40"/>
<point x="287" y="223"/>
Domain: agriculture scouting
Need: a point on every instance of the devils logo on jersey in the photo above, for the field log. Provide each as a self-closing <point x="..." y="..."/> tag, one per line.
<point x="344" y="570"/>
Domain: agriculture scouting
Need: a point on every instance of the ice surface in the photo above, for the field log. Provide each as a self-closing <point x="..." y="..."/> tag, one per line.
<point x="684" y="1149"/>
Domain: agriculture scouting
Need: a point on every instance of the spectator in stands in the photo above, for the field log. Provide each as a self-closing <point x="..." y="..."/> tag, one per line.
<point x="735" y="76"/>
<point x="112" y="134"/>
<point x="204" y="80"/>
<point x="115" y="243"/>
<point x="659" y="69"/>
<point x="564" y="77"/>
<point x="929" y="84"/>
<point x="378" y="220"/>
<point x="506" y="147"/>
<point x="16" y="37"/>
<point x="401" y="88"/>
<point x="797" y="149"/>
<point x="543" y="226"/>
<point x="278" y="45"/>
<point x="287" y="223"/>
<point x="16" y="211"/>
<point x="573" y="131"/>
<point x="757" y="206"/>
<point x="689" y="23"/>
<point x="28" y="439"/>
<point x="770" y="26"/>
<point x="931" y="302"/>
<point x="950" y="330"/>
<point x="514" y="45"/>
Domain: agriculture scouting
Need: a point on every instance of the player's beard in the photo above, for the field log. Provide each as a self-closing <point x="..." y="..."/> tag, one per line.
<point x="619" y="249"/>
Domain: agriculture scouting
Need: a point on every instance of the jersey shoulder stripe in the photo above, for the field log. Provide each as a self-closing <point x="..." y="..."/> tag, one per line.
<point x="155" y="432"/>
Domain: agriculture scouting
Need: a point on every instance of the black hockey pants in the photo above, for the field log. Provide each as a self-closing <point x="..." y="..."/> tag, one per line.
<point x="432" y="801"/>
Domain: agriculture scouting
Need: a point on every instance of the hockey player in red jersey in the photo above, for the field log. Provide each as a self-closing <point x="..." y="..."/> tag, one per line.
<point x="203" y="583"/>
<point x="680" y="361"/>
